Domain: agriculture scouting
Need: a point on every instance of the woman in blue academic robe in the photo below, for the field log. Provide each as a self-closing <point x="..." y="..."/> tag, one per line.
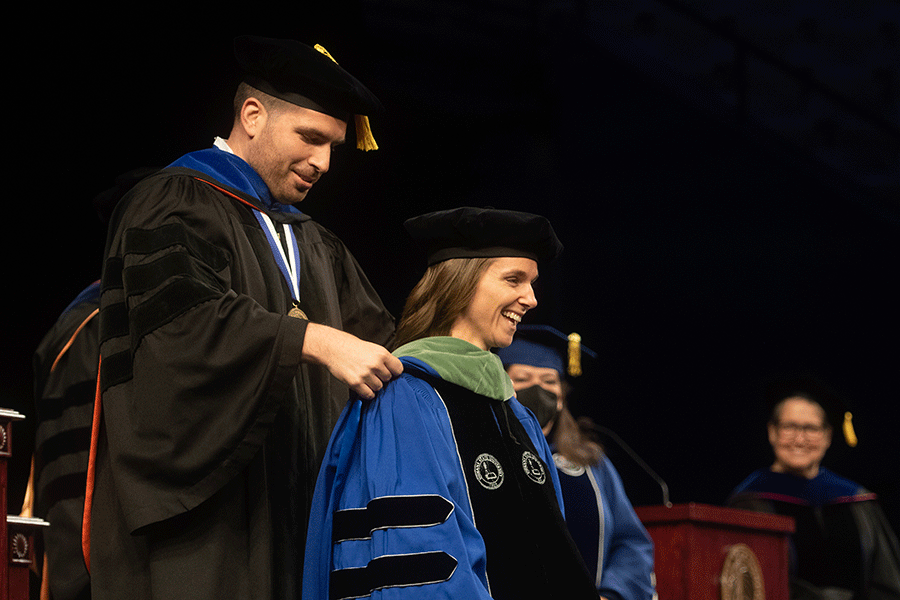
<point x="443" y="486"/>
<point x="615" y="546"/>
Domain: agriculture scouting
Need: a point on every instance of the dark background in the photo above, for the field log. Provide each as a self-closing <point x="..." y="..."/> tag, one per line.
<point x="721" y="227"/>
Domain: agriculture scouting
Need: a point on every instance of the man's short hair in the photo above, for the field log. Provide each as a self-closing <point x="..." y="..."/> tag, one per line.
<point x="245" y="91"/>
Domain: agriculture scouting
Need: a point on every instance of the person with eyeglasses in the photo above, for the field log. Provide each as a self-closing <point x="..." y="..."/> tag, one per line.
<point x="843" y="547"/>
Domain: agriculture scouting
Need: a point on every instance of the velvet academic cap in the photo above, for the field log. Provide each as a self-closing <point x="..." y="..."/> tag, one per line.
<point x="546" y="347"/>
<point x="306" y="76"/>
<point x="468" y="232"/>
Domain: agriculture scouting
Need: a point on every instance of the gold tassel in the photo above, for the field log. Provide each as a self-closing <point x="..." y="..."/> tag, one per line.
<point x="849" y="433"/>
<point x="322" y="49"/>
<point x="574" y="354"/>
<point x="364" y="138"/>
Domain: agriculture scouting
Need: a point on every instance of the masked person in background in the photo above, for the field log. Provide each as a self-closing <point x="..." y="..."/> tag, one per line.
<point x="613" y="542"/>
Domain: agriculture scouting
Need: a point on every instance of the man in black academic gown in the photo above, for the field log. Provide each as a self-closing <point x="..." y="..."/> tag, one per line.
<point x="65" y="382"/>
<point x="843" y="547"/>
<point x="65" y="377"/>
<point x="232" y="326"/>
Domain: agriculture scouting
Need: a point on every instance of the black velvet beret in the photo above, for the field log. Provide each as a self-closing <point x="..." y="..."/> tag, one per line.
<point x="468" y="232"/>
<point x="302" y="75"/>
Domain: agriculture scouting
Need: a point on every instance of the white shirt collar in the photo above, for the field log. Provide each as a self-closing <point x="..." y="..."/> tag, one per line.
<point x="222" y="145"/>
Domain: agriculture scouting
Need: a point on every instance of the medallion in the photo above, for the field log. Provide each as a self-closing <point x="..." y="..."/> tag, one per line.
<point x="488" y="471"/>
<point x="534" y="468"/>
<point x="741" y="577"/>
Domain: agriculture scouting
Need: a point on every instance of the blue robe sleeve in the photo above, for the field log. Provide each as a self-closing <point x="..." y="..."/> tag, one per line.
<point x="391" y="516"/>
<point x="627" y="547"/>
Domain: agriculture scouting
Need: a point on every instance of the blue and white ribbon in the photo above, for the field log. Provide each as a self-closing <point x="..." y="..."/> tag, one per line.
<point x="288" y="263"/>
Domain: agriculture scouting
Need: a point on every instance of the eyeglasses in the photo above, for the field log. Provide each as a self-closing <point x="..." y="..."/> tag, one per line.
<point x="793" y="429"/>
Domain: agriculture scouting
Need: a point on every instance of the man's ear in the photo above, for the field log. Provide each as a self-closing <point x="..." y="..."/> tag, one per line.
<point x="253" y="117"/>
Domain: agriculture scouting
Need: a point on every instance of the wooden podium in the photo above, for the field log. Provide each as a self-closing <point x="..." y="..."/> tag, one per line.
<point x="17" y="534"/>
<point x="705" y="552"/>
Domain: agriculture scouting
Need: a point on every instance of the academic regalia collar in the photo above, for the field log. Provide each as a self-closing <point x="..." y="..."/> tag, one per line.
<point x="461" y="363"/>
<point x="220" y="163"/>
<point x="228" y="169"/>
<point x="825" y="488"/>
<point x="89" y="294"/>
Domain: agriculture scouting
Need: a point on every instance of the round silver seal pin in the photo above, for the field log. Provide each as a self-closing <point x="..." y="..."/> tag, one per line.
<point x="533" y="468"/>
<point x="488" y="471"/>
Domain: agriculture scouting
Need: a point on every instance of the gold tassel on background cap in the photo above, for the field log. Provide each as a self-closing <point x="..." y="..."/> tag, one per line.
<point x="849" y="433"/>
<point x="364" y="138"/>
<point x="574" y="354"/>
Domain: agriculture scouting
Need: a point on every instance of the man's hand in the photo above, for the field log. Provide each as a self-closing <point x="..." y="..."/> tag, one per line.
<point x="363" y="366"/>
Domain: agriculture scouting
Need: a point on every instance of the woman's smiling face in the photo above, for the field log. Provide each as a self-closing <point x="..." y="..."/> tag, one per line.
<point x="800" y="438"/>
<point x="503" y="295"/>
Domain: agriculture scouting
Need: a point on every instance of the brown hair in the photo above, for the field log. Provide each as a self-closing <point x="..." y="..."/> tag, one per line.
<point x="245" y="91"/>
<point x="442" y="294"/>
<point x="576" y="439"/>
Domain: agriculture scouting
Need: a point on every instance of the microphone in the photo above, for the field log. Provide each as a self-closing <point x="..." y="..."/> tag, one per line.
<point x="621" y="443"/>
